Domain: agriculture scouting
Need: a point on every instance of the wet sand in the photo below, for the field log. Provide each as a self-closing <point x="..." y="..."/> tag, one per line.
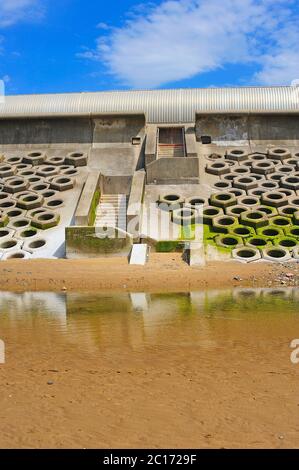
<point x="110" y="381"/>
<point x="163" y="272"/>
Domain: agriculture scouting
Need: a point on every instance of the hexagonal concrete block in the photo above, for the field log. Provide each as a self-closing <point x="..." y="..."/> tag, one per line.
<point x="47" y="170"/>
<point x="279" y="153"/>
<point x="290" y="182"/>
<point x="218" y="168"/>
<point x="7" y="170"/>
<point x="171" y="201"/>
<point x="7" y="204"/>
<point x="45" y="220"/>
<point x="49" y="193"/>
<point x="257" y="157"/>
<point x="281" y="222"/>
<point x="35" y="244"/>
<point x="270" y="232"/>
<point x="13" y="160"/>
<point x="16" y="185"/>
<point x="258" y="177"/>
<point x="195" y="201"/>
<point x="274" y="198"/>
<point x="15" y="213"/>
<point x="276" y="177"/>
<point x="62" y="183"/>
<point x="263" y="167"/>
<point x="30" y="201"/>
<point x="245" y="182"/>
<point x="10" y="245"/>
<point x="269" y="211"/>
<point x="39" y="187"/>
<point x="237" y="155"/>
<point x="26" y="233"/>
<point x="256" y="192"/>
<point x="295" y="253"/>
<point x="269" y="185"/>
<point x="292" y="162"/>
<point x="286" y="242"/>
<point x="237" y="192"/>
<point x="229" y="241"/>
<point x="55" y="203"/>
<point x="242" y="231"/>
<point x="210" y="212"/>
<point x="287" y="211"/>
<point x="55" y="160"/>
<point x="40" y="210"/>
<point x="15" y="254"/>
<point x="76" y="159"/>
<point x="249" y="201"/>
<point x="254" y="218"/>
<point x="222" y="223"/>
<point x="222" y="185"/>
<point x="72" y="172"/>
<point x="285" y="169"/>
<point x="6" y="233"/>
<point x="258" y="242"/>
<point x="246" y="254"/>
<point x="35" y="158"/>
<point x="19" y="223"/>
<point x="184" y="216"/>
<point x="223" y="199"/>
<point x="236" y="210"/>
<point x="242" y="170"/>
<point x="287" y="192"/>
<point x="292" y="232"/>
<point x="276" y="254"/>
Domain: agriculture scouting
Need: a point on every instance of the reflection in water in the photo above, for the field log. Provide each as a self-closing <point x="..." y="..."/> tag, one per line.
<point x="138" y="320"/>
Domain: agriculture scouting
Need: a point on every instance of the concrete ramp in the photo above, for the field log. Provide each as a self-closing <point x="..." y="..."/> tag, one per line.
<point x="139" y="254"/>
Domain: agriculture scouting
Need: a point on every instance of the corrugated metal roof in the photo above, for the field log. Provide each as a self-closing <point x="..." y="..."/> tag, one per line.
<point x="159" y="106"/>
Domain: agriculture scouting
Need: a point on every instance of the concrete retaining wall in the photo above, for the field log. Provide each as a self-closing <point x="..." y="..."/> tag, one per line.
<point x="174" y="169"/>
<point x="85" y="242"/>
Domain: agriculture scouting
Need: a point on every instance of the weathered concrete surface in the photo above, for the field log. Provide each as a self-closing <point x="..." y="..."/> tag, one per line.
<point x="190" y="142"/>
<point x="134" y="211"/>
<point x="118" y="129"/>
<point x="87" y="204"/>
<point x="150" y="144"/>
<point x="267" y="129"/>
<point x="88" y="242"/>
<point x="196" y="254"/>
<point x="115" y="184"/>
<point x="172" y="169"/>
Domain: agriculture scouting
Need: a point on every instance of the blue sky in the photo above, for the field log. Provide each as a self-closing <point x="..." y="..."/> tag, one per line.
<point x="75" y="45"/>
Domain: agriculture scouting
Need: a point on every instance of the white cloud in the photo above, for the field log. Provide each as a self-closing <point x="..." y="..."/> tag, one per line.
<point x="180" y="39"/>
<point x="14" y="11"/>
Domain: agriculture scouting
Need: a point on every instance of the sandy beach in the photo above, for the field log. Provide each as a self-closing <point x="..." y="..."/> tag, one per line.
<point x="163" y="272"/>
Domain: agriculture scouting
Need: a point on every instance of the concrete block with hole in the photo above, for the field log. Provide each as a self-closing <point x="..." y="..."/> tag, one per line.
<point x="254" y="218"/>
<point x="15" y="254"/>
<point x="245" y="182"/>
<point x="45" y="220"/>
<point x="7" y="171"/>
<point x="62" y="183"/>
<point x="223" y="199"/>
<point x="46" y="171"/>
<point x="6" y="233"/>
<point x="210" y="212"/>
<point x="237" y="155"/>
<point x="35" y="158"/>
<point x="279" y="153"/>
<point x="274" y="198"/>
<point x="218" y="168"/>
<point x="76" y="159"/>
<point x="290" y="182"/>
<point x="30" y="201"/>
<point x="10" y="245"/>
<point x="222" y="223"/>
<point x="229" y="241"/>
<point x="276" y="254"/>
<point x="15" y="185"/>
<point x="290" y="243"/>
<point x="246" y="254"/>
<point x="19" y="223"/>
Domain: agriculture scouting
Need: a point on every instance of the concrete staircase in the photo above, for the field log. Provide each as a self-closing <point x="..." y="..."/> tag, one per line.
<point x="112" y="211"/>
<point x="170" y="150"/>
